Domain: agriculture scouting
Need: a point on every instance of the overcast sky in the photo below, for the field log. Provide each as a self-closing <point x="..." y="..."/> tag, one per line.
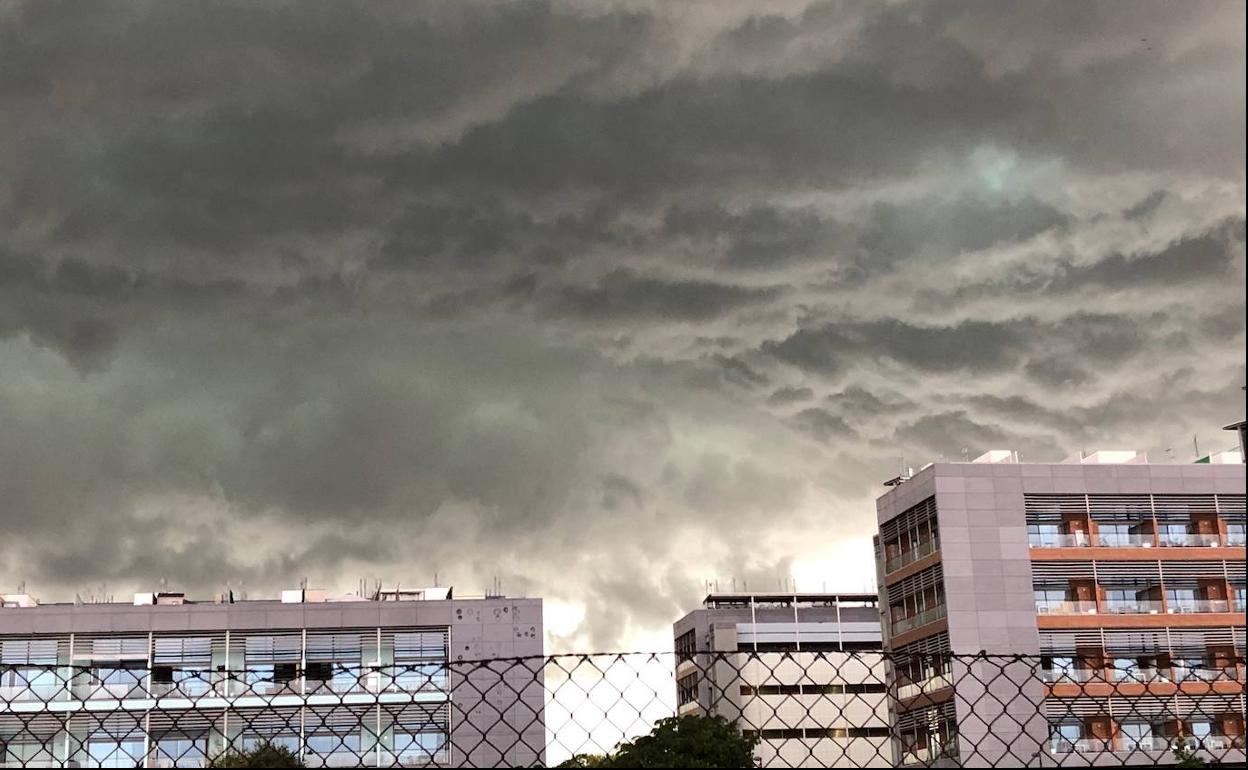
<point x="605" y="299"/>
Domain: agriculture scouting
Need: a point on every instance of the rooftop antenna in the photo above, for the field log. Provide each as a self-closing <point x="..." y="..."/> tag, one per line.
<point x="1196" y="446"/>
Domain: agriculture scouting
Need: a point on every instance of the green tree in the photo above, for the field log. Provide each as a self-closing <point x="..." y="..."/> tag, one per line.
<point x="585" y="760"/>
<point x="681" y="742"/>
<point x="266" y="755"/>
<point x="1185" y="756"/>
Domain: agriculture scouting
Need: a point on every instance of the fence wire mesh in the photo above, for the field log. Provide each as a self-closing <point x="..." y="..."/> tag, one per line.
<point x="804" y="709"/>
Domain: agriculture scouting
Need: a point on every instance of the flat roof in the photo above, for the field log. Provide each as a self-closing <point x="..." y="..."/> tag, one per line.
<point x="773" y="597"/>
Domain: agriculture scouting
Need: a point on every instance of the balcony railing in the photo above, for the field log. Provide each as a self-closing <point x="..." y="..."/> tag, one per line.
<point x="921" y="619"/>
<point x="1188" y="541"/>
<point x="927" y="686"/>
<point x="1131" y="607"/>
<point x="1060" y="745"/>
<point x="1140" y="675"/>
<point x="948" y="749"/>
<point x="1146" y="743"/>
<point x="1235" y="538"/>
<point x="1065" y="607"/>
<point x="914" y="554"/>
<point x="1070" y="674"/>
<point x="1188" y="606"/>
<point x="1077" y="540"/>
<point x="1117" y="540"/>
<point x="1204" y="674"/>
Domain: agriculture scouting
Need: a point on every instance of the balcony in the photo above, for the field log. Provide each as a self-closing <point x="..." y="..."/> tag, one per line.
<point x="1175" y="540"/>
<point x="909" y="557"/>
<point x="925" y="687"/>
<point x="1131" y="607"/>
<point x="1059" y="745"/>
<point x="1078" y="540"/>
<point x="1138" y="675"/>
<point x="1235" y="539"/>
<point x="1070" y="674"/>
<point x="926" y="755"/>
<point x="1146" y="743"/>
<point x="1118" y="540"/>
<point x="1204" y="674"/>
<point x="1189" y="606"/>
<point x="921" y="619"/>
<point x="1065" y="607"/>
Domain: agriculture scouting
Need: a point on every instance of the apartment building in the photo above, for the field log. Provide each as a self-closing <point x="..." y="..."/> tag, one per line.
<point x="1123" y="578"/>
<point x="343" y="681"/>
<point x="803" y="670"/>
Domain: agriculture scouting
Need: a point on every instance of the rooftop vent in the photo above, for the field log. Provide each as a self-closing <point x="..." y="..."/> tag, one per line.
<point x="305" y="596"/>
<point x="415" y="594"/>
<point x="163" y="598"/>
<point x="995" y="456"/>
<point x="1228" y="457"/>
<point x="1110" y="457"/>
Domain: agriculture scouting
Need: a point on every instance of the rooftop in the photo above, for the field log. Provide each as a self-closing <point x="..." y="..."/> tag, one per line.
<point x="24" y="600"/>
<point x="780" y="599"/>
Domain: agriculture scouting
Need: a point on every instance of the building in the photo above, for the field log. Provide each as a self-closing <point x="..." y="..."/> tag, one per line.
<point x="803" y="670"/>
<point x="1121" y="580"/>
<point x="343" y="681"/>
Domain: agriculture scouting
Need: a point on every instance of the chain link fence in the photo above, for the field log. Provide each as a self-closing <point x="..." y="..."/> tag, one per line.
<point x="803" y="709"/>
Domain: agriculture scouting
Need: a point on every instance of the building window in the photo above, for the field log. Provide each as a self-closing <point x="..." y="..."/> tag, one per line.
<point x="1234" y="533"/>
<point x="686" y="645"/>
<point x="687" y="689"/>
<point x="1066" y="738"/>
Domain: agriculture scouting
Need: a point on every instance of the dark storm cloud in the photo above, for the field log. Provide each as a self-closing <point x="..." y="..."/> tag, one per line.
<point x="790" y="395"/>
<point x="505" y="288"/>
<point x="970" y="345"/>
<point x="623" y="294"/>
<point x="823" y="426"/>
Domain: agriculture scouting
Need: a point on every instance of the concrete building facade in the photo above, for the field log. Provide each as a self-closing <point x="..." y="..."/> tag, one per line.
<point x="1124" y="580"/>
<point x="803" y="670"/>
<point x="341" y="681"/>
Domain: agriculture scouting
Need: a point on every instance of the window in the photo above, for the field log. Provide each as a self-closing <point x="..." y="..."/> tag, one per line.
<point x="1200" y="730"/>
<point x="26" y="754"/>
<point x="326" y="744"/>
<point x="1050" y="599"/>
<point x="288" y="742"/>
<point x="1234" y="533"/>
<point x="1137" y="735"/>
<point x="1173" y="534"/>
<point x="114" y="753"/>
<point x="1181" y="600"/>
<point x="687" y="689"/>
<point x="180" y="752"/>
<point x="1065" y="738"/>
<point x="1057" y="668"/>
<point x="418" y="747"/>
<point x="686" y="645"/>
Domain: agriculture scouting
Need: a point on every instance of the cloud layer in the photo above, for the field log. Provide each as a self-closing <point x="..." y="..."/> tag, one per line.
<point x="606" y="299"/>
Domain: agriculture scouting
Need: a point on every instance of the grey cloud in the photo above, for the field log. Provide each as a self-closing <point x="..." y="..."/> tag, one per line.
<point x="970" y="345"/>
<point x="790" y="395"/>
<point x="624" y="293"/>
<point x="956" y="435"/>
<point x="823" y="426"/>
